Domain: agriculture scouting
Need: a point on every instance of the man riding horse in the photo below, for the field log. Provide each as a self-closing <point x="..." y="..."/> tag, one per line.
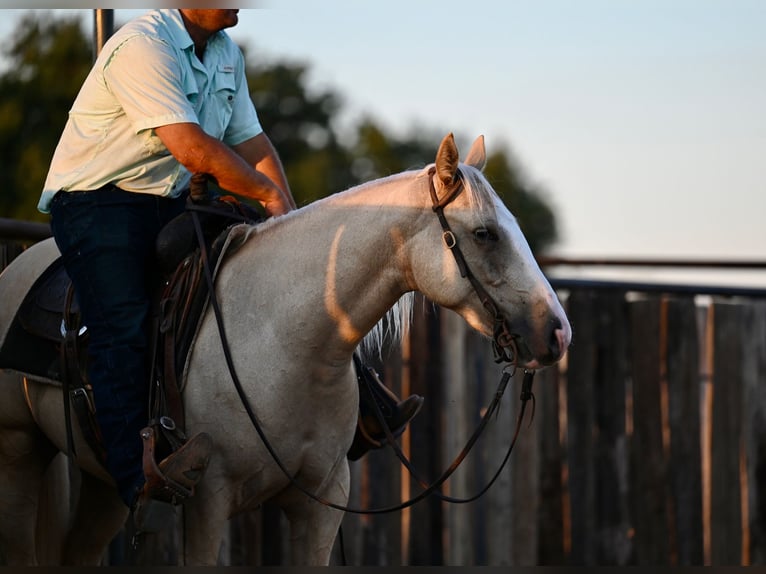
<point x="166" y="98"/>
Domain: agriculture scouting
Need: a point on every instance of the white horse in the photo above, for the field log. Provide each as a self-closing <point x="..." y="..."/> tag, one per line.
<point x="297" y="298"/>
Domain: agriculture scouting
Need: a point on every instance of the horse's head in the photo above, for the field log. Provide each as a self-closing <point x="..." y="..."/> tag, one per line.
<point x="500" y="291"/>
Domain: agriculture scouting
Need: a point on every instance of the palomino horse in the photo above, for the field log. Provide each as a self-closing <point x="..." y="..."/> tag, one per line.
<point x="297" y="298"/>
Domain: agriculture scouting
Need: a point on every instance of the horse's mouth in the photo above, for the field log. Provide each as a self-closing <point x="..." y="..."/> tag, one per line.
<point x="526" y="359"/>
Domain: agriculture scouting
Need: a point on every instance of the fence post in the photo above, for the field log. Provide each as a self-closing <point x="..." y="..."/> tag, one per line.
<point x="581" y="418"/>
<point x="525" y="486"/>
<point x="649" y="490"/>
<point x="550" y="548"/>
<point x="725" y="507"/>
<point x="426" y="518"/>
<point x="754" y="383"/>
<point x="614" y="545"/>
<point x="493" y="513"/>
<point x="458" y="519"/>
<point x="685" y="464"/>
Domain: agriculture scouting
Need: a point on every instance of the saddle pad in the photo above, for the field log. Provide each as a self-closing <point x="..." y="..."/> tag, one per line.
<point x="41" y="312"/>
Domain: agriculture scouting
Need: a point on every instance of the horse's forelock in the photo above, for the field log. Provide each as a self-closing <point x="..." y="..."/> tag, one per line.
<point x="480" y="193"/>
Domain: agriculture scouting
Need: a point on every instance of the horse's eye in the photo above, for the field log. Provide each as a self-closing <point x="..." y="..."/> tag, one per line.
<point x="484" y="235"/>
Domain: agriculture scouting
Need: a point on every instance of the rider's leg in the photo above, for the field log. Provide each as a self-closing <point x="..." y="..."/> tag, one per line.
<point x="107" y="238"/>
<point x="374" y="396"/>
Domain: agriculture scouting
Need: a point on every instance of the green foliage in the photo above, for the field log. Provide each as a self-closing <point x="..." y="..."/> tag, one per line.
<point x="299" y="124"/>
<point x="49" y="59"/>
<point x="525" y="201"/>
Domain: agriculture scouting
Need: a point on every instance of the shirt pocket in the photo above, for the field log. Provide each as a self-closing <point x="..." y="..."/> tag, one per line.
<point x="223" y="90"/>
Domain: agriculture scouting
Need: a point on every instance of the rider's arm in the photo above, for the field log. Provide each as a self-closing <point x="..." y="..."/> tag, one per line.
<point x="198" y="152"/>
<point x="259" y="152"/>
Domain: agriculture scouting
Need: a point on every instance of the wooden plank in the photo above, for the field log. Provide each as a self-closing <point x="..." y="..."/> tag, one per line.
<point x="648" y="477"/>
<point x="382" y="540"/>
<point x="685" y="464"/>
<point x="580" y="426"/>
<point x="426" y="518"/>
<point x="458" y="548"/>
<point x="754" y="375"/>
<point x="725" y="507"/>
<point x="550" y="547"/>
<point x="8" y="252"/>
<point x="494" y="515"/>
<point x="705" y="326"/>
<point x="614" y="545"/>
<point x="525" y="484"/>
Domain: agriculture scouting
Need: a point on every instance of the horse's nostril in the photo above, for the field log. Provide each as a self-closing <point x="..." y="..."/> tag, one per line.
<point x="553" y="344"/>
<point x="556" y="342"/>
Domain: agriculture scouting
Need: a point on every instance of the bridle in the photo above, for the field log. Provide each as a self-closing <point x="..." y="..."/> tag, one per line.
<point x="504" y="342"/>
<point x="504" y="347"/>
<point x="505" y="351"/>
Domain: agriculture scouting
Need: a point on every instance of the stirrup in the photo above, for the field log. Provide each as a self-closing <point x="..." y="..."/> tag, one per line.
<point x="366" y="438"/>
<point x="397" y="414"/>
<point x="172" y="481"/>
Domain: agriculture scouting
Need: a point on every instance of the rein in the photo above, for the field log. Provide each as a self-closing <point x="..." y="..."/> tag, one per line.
<point x="526" y="394"/>
<point x="505" y="351"/>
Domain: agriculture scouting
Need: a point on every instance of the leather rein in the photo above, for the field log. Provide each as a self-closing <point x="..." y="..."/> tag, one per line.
<point x="504" y="347"/>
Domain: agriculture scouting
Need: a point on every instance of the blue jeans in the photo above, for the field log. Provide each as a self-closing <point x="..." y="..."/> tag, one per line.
<point x="107" y="241"/>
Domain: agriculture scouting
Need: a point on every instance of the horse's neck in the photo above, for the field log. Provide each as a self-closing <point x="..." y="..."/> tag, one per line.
<point x="338" y="265"/>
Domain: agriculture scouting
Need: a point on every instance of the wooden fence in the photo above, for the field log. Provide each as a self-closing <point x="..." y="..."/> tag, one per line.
<point x="648" y="447"/>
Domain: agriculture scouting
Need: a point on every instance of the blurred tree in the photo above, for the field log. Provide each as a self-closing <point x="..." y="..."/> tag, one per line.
<point x="299" y="124"/>
<point x="378" y="154"/>
<point x="525" y="201"/>
<point x="48" y="59"/>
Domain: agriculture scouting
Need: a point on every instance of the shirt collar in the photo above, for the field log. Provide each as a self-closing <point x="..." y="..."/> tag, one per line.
<point x="178" y="32"/>
<point x="176" y="28"/>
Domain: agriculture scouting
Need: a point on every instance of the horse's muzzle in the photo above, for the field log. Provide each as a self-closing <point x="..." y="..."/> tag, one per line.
<point x="546" y="345"/>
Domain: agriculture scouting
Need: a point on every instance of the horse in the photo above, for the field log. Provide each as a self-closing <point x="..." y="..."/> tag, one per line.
<point x="297" y="298"/>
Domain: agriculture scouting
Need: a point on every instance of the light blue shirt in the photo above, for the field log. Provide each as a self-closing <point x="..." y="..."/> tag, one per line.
<point x="147" y="75"/>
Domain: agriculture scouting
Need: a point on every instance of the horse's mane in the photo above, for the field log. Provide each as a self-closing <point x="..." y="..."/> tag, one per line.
<point x="392" y="327"/>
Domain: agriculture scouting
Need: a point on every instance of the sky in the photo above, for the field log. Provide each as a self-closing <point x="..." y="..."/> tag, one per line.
<point x="644" y="122"/>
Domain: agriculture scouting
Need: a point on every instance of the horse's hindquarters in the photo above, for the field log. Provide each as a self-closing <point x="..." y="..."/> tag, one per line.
<point x="25" y="454"/>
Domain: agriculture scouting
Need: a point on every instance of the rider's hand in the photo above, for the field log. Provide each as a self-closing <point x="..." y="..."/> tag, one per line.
<point x="277" y="206"/>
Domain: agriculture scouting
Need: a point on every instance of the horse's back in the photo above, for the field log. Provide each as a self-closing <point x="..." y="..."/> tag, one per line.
<point x="18" y="278"/>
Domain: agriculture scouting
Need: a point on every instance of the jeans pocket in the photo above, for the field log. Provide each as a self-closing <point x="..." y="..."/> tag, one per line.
<point x="72" y="216"/>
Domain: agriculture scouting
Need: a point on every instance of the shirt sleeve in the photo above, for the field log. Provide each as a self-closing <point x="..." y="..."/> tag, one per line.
<point x="144" y="75"/>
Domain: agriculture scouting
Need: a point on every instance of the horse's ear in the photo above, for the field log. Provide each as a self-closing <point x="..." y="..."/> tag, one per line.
<point x="447" y="159"/>
<point x="477" y="156"/>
